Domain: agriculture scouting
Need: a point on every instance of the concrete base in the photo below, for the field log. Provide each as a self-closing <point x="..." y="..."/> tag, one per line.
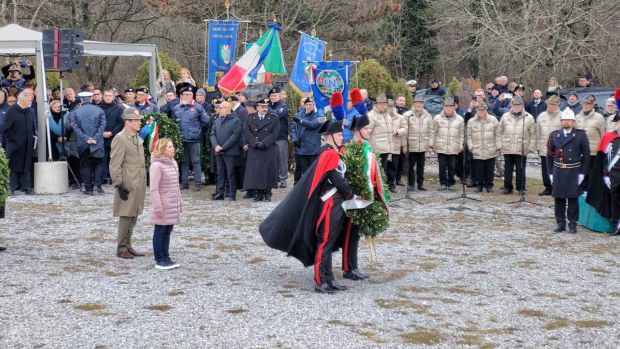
<point x="51" y="177"/>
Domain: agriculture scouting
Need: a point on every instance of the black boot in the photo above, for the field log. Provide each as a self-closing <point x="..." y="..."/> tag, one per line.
<point x="560" y="228"/>
<point x="267" y="196"/>
<point x="572" y="228"/>
<point x="478" y="189"/>
<point x="249" y="194"/>
<point x="258" y="195"/>
<point x="359" y="273"/>
<point x="323" y="288"/>
<point x="218" y="196"/>
<point x="351" y="275"/>
<point x="232" y="196"/>
<point x="335" y="286"/>
<point x="421" y="187"/>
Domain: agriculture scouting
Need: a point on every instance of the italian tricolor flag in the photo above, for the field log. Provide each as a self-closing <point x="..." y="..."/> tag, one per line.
<point x="153" y="135"/>
<point x="265" y="56"/>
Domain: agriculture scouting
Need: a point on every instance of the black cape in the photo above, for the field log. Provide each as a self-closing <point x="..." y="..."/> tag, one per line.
<point x="291" y="226"/>
<point x="599" y="195"/>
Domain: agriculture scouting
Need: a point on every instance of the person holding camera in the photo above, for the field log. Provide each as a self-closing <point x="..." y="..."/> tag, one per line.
<point x="128" y="172"/>
<point x="261" y="131"/>
<point x="14" y="75"/>
<point x="308" y="144"/>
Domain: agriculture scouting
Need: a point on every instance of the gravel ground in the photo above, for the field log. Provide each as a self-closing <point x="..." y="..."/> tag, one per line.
<point x="490" y="276"/>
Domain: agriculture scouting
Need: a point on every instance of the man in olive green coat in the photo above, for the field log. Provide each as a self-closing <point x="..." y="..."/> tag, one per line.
<point x="128" y="173"/>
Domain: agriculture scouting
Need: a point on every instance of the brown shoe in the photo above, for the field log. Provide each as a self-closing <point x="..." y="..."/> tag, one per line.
<point x="124" y="255"/>
<point x="135" y="253"/>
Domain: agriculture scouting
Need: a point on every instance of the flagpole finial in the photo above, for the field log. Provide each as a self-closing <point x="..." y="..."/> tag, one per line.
<point x="313" y="32"/>
<point x="227" y="4"/>
<point x="273" y="16"/>
<point x="330" y="54"/>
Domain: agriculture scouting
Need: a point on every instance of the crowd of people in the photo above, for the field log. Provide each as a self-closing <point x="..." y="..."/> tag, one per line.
<point x="247" y="141"/>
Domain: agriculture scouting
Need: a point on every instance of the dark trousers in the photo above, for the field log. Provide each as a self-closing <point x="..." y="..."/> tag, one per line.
<point x="20" y="180"/>
<point x="561" y="213"/>
<point x="401" y="166"/>
<point x="484" y="172"/>
<point x="351" y="246"/>
<point x="614" y="176"/>
<point x="545" y="173"/>
<point x="328" y="232"/>
<point x="586" y="179"/>
<point x="105" y="169"/>
<point x="390" y="167"/>
<point x="447" y="165"/>
<point x="161" y="242"/>
<point x="191" y="154"/>
<point x="74" y="166"/>
<point x="464" y="167"/>
<point x="226" y="173"/>
<point x="91" y="170"/>
<point x="302" y="163"/>
<point x="416" y="168"/>
<point x="510" y="162"/>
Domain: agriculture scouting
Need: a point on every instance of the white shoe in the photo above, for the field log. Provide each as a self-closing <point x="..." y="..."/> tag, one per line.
<point x="165" y="266"/>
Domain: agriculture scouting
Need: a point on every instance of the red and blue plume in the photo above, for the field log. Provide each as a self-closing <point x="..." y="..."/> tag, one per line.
<point x="337" y="106"/>
<point x="358" y="101"/>
<point x="617" y="98"/>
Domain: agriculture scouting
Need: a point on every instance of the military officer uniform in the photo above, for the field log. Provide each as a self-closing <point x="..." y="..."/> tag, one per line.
<point x="128" y="173"/>
<point x="260" y="133"/>
<point x="568" y="156"/>
<point x="611" y="171"/>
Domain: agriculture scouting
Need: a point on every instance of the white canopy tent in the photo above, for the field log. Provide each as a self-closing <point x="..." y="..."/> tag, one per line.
<point x="20" y="41"/>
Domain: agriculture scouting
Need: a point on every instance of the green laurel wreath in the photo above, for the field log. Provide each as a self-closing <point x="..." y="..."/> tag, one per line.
<point x="373" y="219"/>
<point x="4" y="177"/>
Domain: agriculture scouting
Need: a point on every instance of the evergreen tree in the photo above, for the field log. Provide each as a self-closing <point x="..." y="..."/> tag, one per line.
<point x="419" y="51"/>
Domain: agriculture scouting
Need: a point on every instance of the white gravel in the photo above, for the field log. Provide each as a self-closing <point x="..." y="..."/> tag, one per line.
<point x="490" y="276"/>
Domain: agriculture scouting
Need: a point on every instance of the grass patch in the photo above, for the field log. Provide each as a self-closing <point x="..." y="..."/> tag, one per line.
<point x="401" y="304"/>
<point x="90" y="306"/>
<point x="558" y="323"/>
<point x="598" y="270"/>
<point x="340" y="323"/>
<point x="114" y="274"/>
<point x="237" y="311"/>
<point x="426" y="337"/>
<point x="392" y="276"/>
<point x="591" y="324"/>
<point x="482" y="331"/>
<point x="370" y="336"/>
<point x="531" y="313"/>
<point x="256" y="260"/>
<point x="461" y="290"/>
<point x="158" y="307"/>
<point x="176" y="293"/>
<point x="92" y="262"/>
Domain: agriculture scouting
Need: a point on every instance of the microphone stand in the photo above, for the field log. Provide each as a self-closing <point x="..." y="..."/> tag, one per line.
<point x="408" y="192"/>
<point x="522" y="199"/>
<point x="463" y="195"/>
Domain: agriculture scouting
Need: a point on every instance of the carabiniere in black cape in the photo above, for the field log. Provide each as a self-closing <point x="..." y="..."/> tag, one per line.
<point x="291" y="225"/>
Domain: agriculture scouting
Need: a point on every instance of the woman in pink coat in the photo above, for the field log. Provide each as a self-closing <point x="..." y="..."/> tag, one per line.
<point x="166" y="203"/>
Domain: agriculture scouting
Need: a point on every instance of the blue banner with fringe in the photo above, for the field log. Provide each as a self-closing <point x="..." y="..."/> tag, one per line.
<point x="329" y="77"/>
<point x="222" y="36"/>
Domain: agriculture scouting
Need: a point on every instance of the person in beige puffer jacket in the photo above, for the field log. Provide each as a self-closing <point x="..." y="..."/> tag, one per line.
<point x="481" y="141"/>
<point x="447" y="142"/>
<point x="420" y="132"/>
<point x="516" y="137"/>
<point x="385" y="138"/>
<point x="547" y="122"/>
<point x="595" y="126"/>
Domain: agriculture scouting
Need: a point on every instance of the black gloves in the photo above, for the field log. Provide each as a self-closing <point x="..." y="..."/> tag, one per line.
<point x="296" y="119"/>
<point x="260" y="146"/>
<point x="123" y="192"/>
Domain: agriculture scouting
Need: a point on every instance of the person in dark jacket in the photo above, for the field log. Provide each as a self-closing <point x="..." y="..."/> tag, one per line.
<point x="171" y="102"/>
<point x="573" y="102"/>
<point x="4" y="107"/>
<point x="241" y="113"/>
<point x="225" y="137"/>
<point x="260" y="132"/>
<point x="70" y="102"/>
<point x="20" y="131"/>
<point x="537" y="105"/>
<point x="13" y="76"/>
<point x="113" y="124"/>
<point x="435" y="89"/>
<point x="191" y="118"/>
<point x="281" y="110"/>
<point x="308" y="142"/>
<point x="142" y="102"/>
<point x="568" y="156"/>
<point x="88" y="123"/>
